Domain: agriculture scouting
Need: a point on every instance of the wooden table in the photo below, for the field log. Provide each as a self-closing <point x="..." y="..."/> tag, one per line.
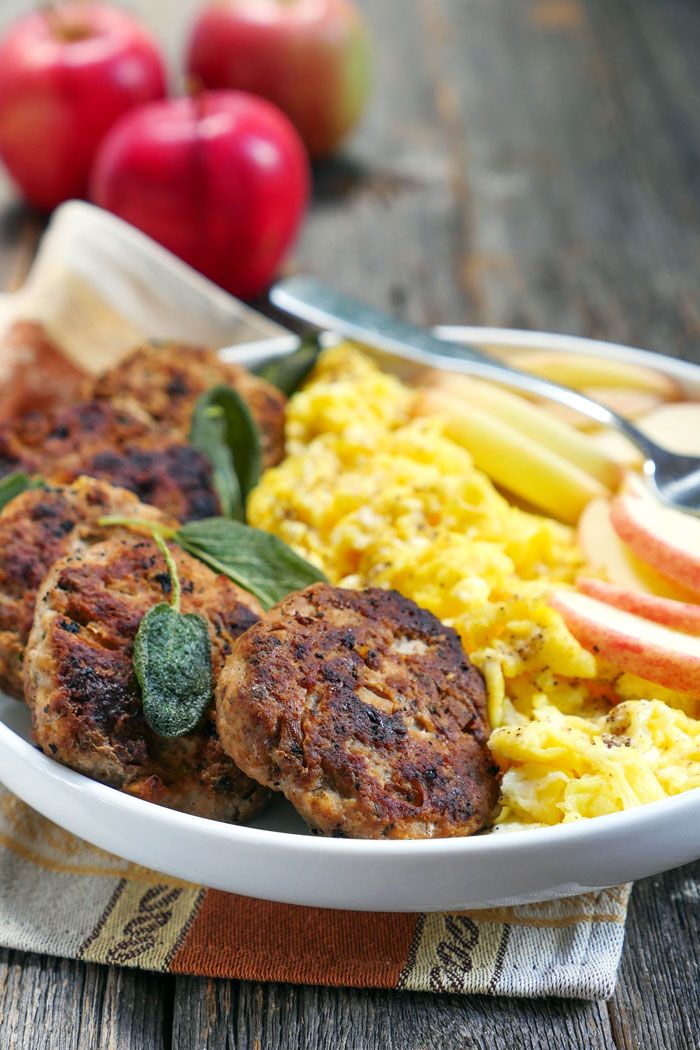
<point x="530" y="163"/>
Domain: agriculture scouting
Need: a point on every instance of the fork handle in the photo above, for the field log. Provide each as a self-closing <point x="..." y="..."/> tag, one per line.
<point x="314" y="301"/>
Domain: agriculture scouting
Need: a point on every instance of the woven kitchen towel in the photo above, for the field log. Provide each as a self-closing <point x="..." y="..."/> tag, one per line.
<point x="61" y="896"/>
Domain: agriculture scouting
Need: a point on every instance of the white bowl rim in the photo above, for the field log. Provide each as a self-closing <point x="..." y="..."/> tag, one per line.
<point x="502" y="842"/>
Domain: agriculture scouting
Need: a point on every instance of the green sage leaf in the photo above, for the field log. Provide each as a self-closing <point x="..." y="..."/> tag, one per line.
<point x="288" y="372"/>
<point x="13" y="485"/>
<point x="257" y="561"/>
<point x="224" y="430"/>
<point x="172" y="662"/>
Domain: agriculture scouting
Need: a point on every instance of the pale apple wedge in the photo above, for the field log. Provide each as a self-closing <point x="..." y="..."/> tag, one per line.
<point x="514" y="460"/>
<point x="631" y="404"/>
<point x="634" y="484"/>
<point x="583" y="371"/>
<point x="675" y="427"/>
<point x="618" y="447"/>
<point x="566" y="414"/>
<point x="679" y="616"/>
<point x="646" y="649"/>
<point x="666" y="539"/>
<point x="604" y="550"/>
<point x="531" y="421"/>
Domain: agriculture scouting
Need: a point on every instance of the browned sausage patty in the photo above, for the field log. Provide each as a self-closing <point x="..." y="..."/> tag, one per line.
<point x="165" y="380"/>
<point x="99" y="439"/>
<point x="85" y="699"/>
<point x="364" y="710"/>
<point x="36" y="529"/>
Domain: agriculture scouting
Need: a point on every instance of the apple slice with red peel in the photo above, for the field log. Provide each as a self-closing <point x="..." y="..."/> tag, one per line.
<point x="680" y="616"/>
<point x="630" y="642"/>
<point x="604" y="550"/>
<point x="666" y="539"/>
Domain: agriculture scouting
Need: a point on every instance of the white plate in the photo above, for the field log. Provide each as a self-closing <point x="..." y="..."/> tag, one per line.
<point x="275" y="859"/>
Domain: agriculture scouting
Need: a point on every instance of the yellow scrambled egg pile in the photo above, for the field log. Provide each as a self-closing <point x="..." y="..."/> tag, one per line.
<point x="376" y="498"/>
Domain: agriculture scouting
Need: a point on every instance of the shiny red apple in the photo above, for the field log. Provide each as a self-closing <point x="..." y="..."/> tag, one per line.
<point x="310" y="57"/>
<point x="66" y="75"/>
<point x="220" y="178"/>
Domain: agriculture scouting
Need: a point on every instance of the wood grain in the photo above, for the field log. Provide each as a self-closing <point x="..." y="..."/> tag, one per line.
<point x="533" y="164"/>
<point x="57" y="1004"/>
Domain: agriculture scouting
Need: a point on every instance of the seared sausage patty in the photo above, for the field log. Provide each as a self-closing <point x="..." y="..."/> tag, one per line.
<point x="99" y="439"/>
<point x="85" y="700"/>
<point x="165" y="380"/>
<point x="365" y="711"/>
<point x="36" y="529"/>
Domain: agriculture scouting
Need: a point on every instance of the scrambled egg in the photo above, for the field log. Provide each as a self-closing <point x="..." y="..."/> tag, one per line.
<point x="376" y="498"/>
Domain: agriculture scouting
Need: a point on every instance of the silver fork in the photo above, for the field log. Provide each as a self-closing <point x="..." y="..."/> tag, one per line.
<point x="675" y="477"/>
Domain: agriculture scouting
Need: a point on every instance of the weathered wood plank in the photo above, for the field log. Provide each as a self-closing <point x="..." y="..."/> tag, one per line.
<point x="20" y="230"/>
<point x="286" y="1017"/>
<point x="58" y="1004"/>
<point x="657" y="1001"/>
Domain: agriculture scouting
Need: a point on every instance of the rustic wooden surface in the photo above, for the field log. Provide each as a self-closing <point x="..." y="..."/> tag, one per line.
<point x="526" y="162"/>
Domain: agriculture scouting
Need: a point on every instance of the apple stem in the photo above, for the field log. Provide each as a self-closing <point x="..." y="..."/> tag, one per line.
<point x="195" y="89"/>
<point x="60" y="26"/>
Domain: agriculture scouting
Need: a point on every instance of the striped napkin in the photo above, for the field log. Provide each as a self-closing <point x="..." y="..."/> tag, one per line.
<point x="61" y="896"/>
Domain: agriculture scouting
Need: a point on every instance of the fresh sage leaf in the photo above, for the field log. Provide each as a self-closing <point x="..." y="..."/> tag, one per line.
<point x="288" y="373"/>
<point x="13" y="485"/>
<point x="257" y="561"/>
<point x="172" y="661"/>
<point x="224" y="430"/>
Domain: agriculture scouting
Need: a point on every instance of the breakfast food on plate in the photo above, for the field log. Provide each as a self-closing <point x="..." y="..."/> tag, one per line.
<point x="467" y="664"/>
<point x="99" y="439"/>
<point x="379" y="498"/>
<point x="83" y="693"/>
<point x="365" y="711"/>
<point x="36" y="529"/>
<point x="164" y="380"/>
<point x="34" y="373"/>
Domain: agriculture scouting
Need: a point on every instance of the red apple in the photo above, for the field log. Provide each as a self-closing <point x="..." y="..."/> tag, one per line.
<point x="309" y="57"/>
<point x="66" y="75"/>
<point x="221" y="179"/>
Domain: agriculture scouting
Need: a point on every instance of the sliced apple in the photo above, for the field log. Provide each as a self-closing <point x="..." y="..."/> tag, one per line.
<point x="634" y="484"/>
<point x="618" y="447"/>
<point x="630" y="642"/>
<point x="679" y="616"/>
<point x="604" y="550"/>
<point x="586" y="370"/>
<point x="566" y="414"/>
<point x="514" y="460"/>
<point x="675" y="427"/>
<point x="666" y="539"/>
<point x="531" y="421"/>
<point x="632" y="404"/>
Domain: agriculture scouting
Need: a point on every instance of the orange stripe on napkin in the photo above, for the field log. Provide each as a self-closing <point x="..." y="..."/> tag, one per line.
<point x="261" y="941"/>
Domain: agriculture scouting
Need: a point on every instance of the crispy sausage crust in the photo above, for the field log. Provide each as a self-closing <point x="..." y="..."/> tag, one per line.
<point x="104" y="441"/>
<point x="81" y="688"/>
<point x="36" y="529"/>
<point x="364" y="710"/>
<point x="165" y="380"/>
